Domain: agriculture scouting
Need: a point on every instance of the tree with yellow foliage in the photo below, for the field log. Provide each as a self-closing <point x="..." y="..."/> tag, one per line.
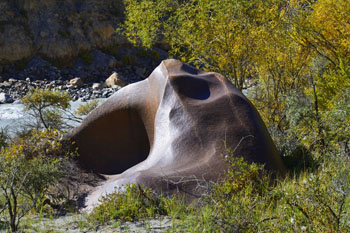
<point x="284" y="50"/>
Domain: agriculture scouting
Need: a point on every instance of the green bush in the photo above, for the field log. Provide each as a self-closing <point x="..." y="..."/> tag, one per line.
<point x="134" y="202"/>
<point x="246" y="201"/>
<point x="315" y="202"/>
<point x="46" y="107"/>
<point x="237" y="203"/>
<point x="28" y="168"/>
<point x="86" y="108"/>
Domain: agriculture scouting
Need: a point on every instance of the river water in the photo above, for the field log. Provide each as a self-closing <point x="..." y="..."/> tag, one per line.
<point x="13" y="116"/>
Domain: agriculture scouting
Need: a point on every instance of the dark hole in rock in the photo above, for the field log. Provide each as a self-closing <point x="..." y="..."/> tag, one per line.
<point x="117" y="141"/>
<point x="191" y="87"/>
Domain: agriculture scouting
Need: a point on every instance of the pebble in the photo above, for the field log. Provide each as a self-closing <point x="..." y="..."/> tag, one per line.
<point x="5" y="84"/>
<point x="5" y="98"/>
<point x="97" y="86"/>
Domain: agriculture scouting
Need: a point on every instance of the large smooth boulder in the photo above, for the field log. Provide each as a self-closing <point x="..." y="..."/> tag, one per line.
<point x="171" y="126"/>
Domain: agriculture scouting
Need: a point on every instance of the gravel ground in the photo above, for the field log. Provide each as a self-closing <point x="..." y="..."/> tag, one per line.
<point x="78" y="223"/>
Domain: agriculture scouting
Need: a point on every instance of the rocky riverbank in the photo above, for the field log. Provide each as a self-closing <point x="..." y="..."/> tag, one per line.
<point x="82" y="82"/>
<point x="58" y="31"/>
<point x="45" y="44"/>
<point x="13" y="90"/>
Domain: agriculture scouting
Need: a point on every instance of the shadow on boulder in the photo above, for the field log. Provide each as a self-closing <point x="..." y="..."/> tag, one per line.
<point x="176" y="123"/>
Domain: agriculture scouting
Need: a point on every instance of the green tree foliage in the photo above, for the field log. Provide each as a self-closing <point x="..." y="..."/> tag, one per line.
<point x="215" y="35"/>
<point x="294" y="58"/>
<point x="86" y="108"/>
<point x="142" y="29"/>
<point x="46" y="107"/>
<point x="281" y="49"/>
<point x="28" y="168"/>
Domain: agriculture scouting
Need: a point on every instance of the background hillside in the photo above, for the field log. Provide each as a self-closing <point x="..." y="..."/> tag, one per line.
<point x="65" y="39"/>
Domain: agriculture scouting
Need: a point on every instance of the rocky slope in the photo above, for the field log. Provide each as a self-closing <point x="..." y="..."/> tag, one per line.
<point x="57" y="40"/>
<point x="57" y="30"/>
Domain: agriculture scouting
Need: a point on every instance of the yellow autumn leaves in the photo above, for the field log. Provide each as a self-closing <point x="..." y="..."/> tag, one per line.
<point x="275" y="48"/>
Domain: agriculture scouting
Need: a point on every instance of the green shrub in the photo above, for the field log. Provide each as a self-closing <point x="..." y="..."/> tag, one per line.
<point x="28" y="168"/>
<point x="247" y="201"/>
<point x="84" y="109"/>
<point x="46" y="107"/>
<point x="315" y="202"/>
<point x="134" y="202"/>
<point x="237" y="203"/>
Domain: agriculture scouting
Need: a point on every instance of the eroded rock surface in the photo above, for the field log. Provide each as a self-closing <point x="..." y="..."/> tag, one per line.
<point x="171" y="126"/>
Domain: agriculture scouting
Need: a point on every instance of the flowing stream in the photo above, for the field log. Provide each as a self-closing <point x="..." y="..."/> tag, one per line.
<point x="13" y="116"/>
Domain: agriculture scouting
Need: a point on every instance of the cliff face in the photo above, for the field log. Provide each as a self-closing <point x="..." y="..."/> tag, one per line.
<point x="58" y="30"/>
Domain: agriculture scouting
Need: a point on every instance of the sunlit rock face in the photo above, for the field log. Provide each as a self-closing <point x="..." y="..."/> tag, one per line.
<point x="171" y="126"/>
